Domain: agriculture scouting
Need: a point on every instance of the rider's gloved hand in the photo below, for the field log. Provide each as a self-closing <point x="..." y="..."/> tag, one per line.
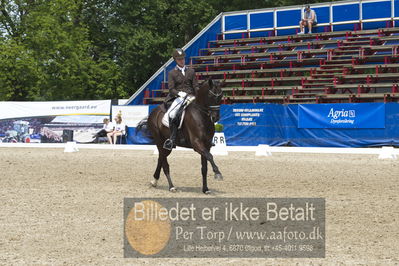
<point x="182" y="94"/>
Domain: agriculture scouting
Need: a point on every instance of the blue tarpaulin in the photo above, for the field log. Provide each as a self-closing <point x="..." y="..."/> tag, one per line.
<point x="140" y="137"/>
<point x="277" y="125"/>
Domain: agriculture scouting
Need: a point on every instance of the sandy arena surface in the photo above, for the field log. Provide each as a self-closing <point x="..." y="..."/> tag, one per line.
<point x="67" y="208"/>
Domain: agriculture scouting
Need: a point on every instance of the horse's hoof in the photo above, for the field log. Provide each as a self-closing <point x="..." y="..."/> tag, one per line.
<point x="219" y="177"/>
<point x="207" y="192"/>
<point x="154" y="183"/>
<point x="173" y="189"/>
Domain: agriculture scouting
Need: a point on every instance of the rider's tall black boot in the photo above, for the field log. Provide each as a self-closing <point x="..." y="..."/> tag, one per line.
<point x="170" y="142"/>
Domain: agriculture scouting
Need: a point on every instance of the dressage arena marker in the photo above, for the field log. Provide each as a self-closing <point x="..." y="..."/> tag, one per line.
<point x="263" y="150"/>
<point x="220" y="147"/>
<point x="71" y="146"/>
<point x="376" y="151"/>
<point x="387" y="153"/>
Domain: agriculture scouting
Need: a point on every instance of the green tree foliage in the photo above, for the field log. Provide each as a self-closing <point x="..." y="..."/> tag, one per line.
<point x="19" y="72"/>
<point x="97" y="49"/>
<point x="148" y="30"/>
<point x="48" y="53"/>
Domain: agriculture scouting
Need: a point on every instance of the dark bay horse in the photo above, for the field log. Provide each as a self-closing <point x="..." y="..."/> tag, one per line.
<point x="196" y="132"/>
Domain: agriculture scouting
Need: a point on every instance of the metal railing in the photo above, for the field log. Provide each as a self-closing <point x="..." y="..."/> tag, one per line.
<point x="222" y="16"/>
<point x="390" y="17"/>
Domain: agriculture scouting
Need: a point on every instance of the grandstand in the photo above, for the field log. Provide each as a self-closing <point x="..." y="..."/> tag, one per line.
<point x="358" y="66"/>
<point x="351" y="57"/>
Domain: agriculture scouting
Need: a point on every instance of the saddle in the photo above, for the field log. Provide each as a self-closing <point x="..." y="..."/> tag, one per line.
<point x="180" y="137"/>
<point x="180" y="116"/>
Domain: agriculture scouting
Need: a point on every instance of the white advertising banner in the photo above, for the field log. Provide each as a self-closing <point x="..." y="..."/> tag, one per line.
<point x="11" y="110"/>
<point x="131" y="114"/>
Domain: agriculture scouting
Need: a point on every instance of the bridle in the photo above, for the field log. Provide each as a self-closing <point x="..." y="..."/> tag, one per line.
<point x="212" y="108"/>
<point x="215" y="94"/>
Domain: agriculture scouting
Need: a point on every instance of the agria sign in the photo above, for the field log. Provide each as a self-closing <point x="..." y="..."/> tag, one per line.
<point x="342" y="116"/>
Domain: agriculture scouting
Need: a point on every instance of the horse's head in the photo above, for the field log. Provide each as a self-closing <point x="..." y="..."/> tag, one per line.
<point x="210" y="96"/>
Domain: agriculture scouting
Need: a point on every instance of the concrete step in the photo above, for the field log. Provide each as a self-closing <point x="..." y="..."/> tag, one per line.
<point x="317" y="89"/>
<point x="330" y="70"/>
<point x="358" y="38"/>
<point x="303" y="100"/>
<point x="347" y="56"/>
<point x="320" y="80"/>
<point x="338" y="63"/>
<point x="351" y="42"/>
<point x="349" y="47"/>
<point x="318" y="84"/>
<point x="303" y="94"/>
<point x="344" y="57"/>
<point x="318" y="76"/>
<point x="346" y="51"/>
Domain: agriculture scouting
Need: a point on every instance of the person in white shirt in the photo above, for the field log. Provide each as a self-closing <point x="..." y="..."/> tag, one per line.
<point x="119" y="130"/>
<point x="108" y="125"/>
<point x="107" y="128"/>
<point x="309" y="19"/>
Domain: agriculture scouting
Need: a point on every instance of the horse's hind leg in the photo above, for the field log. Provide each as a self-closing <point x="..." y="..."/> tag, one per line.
<point x="204" y="170"/>
<point x="165" y="166"/>
<point x="163" y="163"/>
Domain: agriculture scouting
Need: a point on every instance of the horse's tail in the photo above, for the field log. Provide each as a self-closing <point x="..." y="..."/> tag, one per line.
<point x="142" y="126"/>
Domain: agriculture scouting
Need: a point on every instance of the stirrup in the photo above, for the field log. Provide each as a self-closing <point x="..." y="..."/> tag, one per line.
<point x="168" y="145"/>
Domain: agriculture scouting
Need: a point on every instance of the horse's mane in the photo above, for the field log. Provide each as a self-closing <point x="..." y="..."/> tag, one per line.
<point x="204" y="87"/>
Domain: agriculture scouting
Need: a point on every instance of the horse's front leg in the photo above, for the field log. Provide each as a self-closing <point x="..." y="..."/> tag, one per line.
<point x="204" y="151"/>
<point x="218" y="174"/>
<point x="204" y="170"/>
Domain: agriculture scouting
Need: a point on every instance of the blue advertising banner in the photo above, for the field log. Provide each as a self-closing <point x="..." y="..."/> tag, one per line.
<point x="346" y="115"/>
<point x="243" y="123"/>
<point x="277" y="125"/>
<point x="246" y="124"/>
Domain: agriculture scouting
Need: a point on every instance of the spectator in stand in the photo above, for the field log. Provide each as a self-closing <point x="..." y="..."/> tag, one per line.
<point x="309" y="19"/>
<point x="108" y="127"/>
<point x="119" y="130"/>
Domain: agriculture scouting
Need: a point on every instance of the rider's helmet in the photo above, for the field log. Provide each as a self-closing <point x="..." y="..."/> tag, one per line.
<point x="178" y="53"/>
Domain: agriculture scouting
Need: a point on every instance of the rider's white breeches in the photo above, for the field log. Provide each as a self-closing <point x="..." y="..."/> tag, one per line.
<point x="172" y="111"/>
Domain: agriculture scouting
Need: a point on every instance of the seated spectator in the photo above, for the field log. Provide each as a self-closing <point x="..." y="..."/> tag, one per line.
<point x="309" y="19"/>
<point x="107" y="128"/>
<point x="119" y="130"/>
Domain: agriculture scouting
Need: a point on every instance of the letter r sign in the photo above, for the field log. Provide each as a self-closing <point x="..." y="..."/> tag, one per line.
<point x="215" y="140"/>
<point x="218" y="140"/>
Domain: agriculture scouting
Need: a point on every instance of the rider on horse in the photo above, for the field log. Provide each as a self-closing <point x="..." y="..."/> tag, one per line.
<point x="183" y="86"/>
